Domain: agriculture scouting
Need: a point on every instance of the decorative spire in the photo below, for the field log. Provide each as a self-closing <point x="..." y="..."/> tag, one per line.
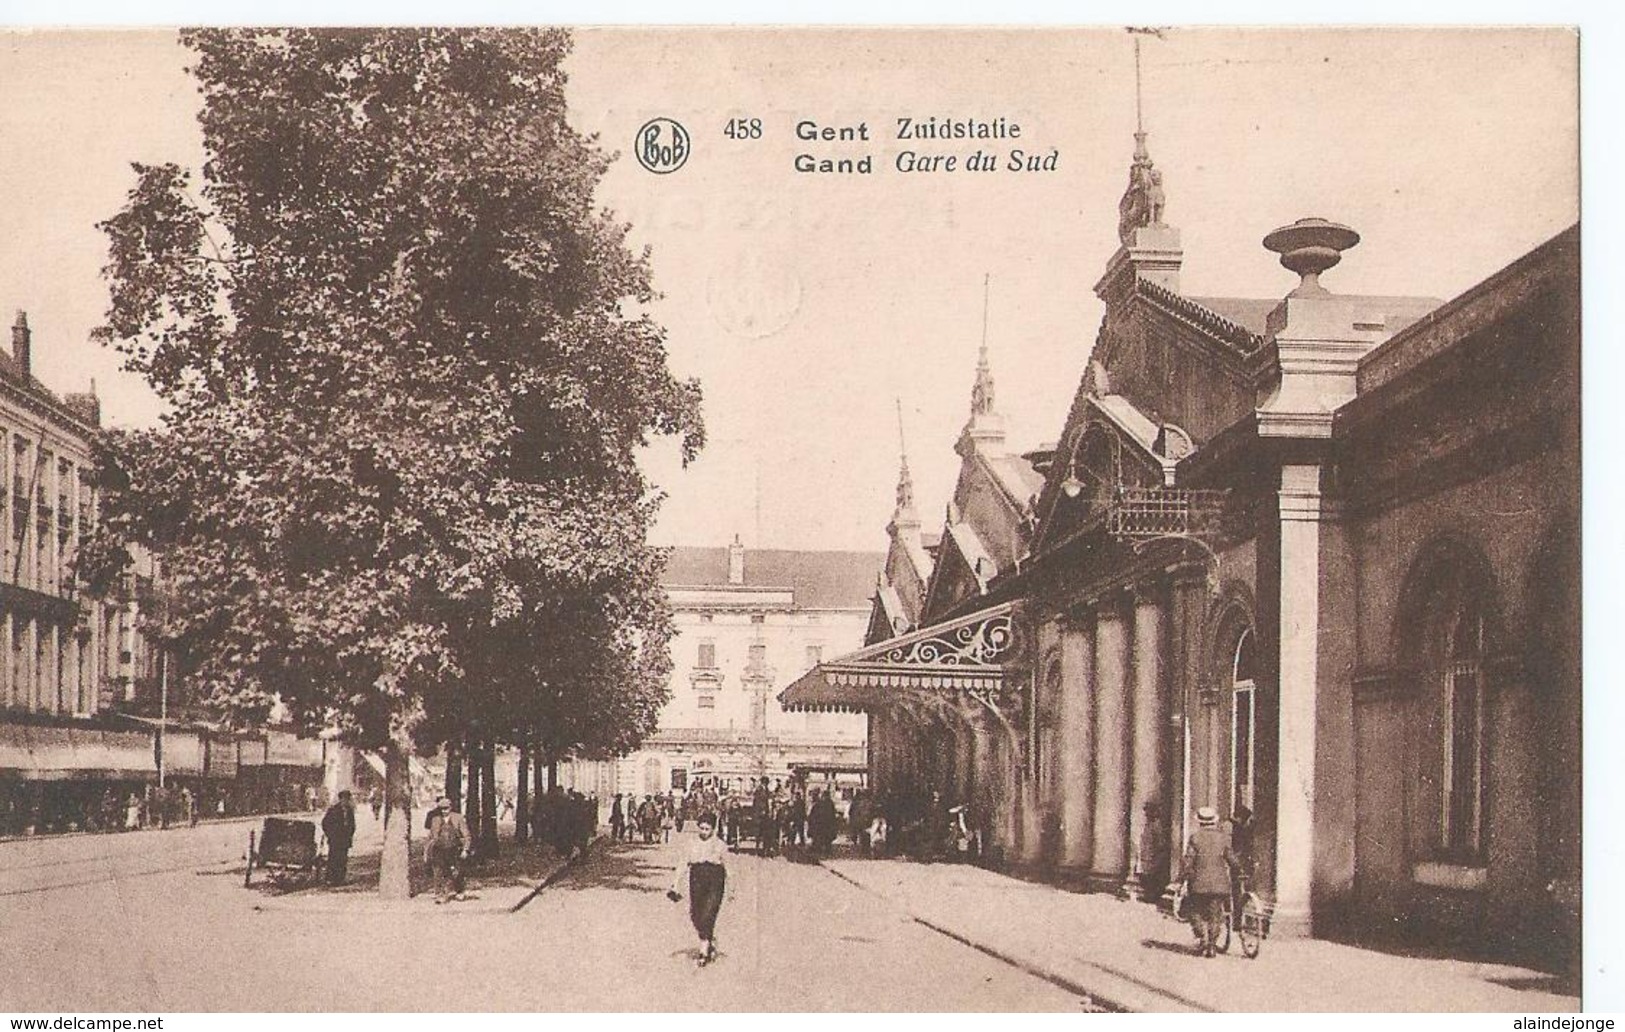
<point x="905" y="482"/>
<point x="1143" y="200"/>
<point x="981" y="394"/>
<point x="984" y="431"/>
<point x="905" y="522"/>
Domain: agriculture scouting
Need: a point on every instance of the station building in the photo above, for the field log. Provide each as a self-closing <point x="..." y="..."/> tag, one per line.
<point x="1315" y="558"/>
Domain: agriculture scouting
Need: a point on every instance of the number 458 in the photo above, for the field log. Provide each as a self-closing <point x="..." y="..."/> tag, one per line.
<point x="743" y="129"/>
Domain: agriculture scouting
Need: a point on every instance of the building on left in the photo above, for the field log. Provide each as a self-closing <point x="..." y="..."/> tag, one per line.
<point x="88" y="717"/>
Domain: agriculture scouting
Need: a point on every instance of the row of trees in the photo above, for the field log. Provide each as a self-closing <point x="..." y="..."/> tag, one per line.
<point x="408" y="366"/>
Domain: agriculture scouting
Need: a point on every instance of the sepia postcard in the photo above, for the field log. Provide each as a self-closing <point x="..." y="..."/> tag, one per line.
<point x="706" y="519"/>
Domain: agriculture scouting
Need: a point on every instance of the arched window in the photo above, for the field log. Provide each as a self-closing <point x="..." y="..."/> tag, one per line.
<point x="1462" y="700"/>
<point x="1243" y="723"/>
<point x="1446" y="627"/>
<point x="653" y="776"/>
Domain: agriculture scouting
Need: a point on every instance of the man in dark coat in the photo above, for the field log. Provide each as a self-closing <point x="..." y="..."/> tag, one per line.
<point x="821" y="822"/>
<point x="338" y="824"/>
<point x="1209" y="861"/>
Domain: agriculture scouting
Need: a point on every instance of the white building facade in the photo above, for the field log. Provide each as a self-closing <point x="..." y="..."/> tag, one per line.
<point x="748" y="624"/>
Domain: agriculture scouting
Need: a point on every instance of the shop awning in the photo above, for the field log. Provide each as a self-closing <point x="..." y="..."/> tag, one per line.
<point x="969" y="654"/>
<point x="184" y="750"/>
<point x="35" y="753"/>
<point x="285" y="749"/>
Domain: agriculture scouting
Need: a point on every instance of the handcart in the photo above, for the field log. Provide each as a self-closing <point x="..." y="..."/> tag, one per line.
<point x="286" y="851"/>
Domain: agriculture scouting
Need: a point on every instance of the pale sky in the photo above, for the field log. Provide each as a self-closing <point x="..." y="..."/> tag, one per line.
<point x="806" y="304"/>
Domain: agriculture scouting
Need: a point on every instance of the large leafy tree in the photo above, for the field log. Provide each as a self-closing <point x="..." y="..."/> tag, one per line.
<point x="409" y="365"/>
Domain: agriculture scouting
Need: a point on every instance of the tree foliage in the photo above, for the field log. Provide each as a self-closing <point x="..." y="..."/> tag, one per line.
<point x="409" y="365"/>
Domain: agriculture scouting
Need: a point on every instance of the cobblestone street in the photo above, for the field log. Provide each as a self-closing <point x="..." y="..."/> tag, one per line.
<point x="169" y="927"/>
<point x="160" y="922"/>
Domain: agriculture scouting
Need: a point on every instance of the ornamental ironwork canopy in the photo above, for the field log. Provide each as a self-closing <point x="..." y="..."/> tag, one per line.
<point x="1138" y="513"/>
<point x="967" y="654"/>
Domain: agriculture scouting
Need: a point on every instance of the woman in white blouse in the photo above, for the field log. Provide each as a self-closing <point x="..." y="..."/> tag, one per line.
<point x="702" y="871"/>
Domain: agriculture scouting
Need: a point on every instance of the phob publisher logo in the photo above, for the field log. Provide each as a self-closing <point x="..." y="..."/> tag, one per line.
<point x="662" y="146"/>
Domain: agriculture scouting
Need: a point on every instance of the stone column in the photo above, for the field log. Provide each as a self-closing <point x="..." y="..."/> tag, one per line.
<point x="8" y="686"/>
<point x="1300" y="626"/>
<point x="1184" y="670"/>
<point x="31" y="670"/>
<point x="1113" y="670"/>
<point x="1029" y="823"/>
<point x="1076" y="743"/>
<point x="1148" y="709"/>
<point x="53" y="667"/>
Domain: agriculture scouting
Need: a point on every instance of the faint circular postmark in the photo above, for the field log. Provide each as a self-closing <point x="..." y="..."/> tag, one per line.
<point x="753" y="295"/>
<point x="662" y="146"/>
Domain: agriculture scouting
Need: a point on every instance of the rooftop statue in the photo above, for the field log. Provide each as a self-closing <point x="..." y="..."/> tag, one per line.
<point x="1143" y="201"/>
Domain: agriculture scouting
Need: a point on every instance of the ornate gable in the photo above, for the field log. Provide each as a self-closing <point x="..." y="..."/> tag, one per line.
<point x="887" y="617"/>
<point x="1108" y="447"/>
<point x="962" y="571"/>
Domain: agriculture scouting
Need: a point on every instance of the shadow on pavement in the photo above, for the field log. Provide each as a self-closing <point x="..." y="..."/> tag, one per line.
<point x="1553" y="965"/>
<point x="1168" y="947"/>
<point x="515" y="865"/>
<point x="1559" y="984"/>
<point x="620" y="869"/>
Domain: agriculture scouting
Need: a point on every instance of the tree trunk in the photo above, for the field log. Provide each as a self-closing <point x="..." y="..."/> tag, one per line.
<point x="454" y="773"/>
<point x="521" y="817"/>
<point x="488" y="799"/>
<point x="552" y="773"/>
<point x="537" y="773"/>
<point x="395" y="864"/>
<point x="471" y="792"/>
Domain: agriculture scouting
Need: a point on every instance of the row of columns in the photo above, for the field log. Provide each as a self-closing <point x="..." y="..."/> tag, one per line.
<point x="1113" y="713"/>
<point x="1129" y="664"/>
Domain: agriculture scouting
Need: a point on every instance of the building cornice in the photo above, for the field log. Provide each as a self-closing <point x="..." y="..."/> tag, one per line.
<point x="50" y="408"/>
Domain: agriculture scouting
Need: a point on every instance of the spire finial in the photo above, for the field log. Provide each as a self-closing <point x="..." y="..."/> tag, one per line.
<point x="1138" y="31"/>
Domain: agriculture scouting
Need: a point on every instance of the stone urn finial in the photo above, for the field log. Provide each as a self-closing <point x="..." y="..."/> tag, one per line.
<point x="1309" y="247"/>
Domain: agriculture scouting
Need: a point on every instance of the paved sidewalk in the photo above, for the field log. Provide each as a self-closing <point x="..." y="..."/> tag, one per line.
<point x="1130" y="956"/>
<point x="251" y="820"/>
<point x="491" y="887"/>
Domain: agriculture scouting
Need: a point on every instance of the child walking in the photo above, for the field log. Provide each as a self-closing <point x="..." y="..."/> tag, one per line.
<point x="701" y="870"/>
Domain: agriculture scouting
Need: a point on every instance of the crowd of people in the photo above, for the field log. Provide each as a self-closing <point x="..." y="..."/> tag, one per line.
<point x="565" y="820"/>
<point x="789" y="814"/>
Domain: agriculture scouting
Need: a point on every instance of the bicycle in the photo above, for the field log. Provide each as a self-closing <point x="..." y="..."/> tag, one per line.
<point x="1253" y="923"/>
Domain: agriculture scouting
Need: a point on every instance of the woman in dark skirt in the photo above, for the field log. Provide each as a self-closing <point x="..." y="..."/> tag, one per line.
<point x="701" y="870"/>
